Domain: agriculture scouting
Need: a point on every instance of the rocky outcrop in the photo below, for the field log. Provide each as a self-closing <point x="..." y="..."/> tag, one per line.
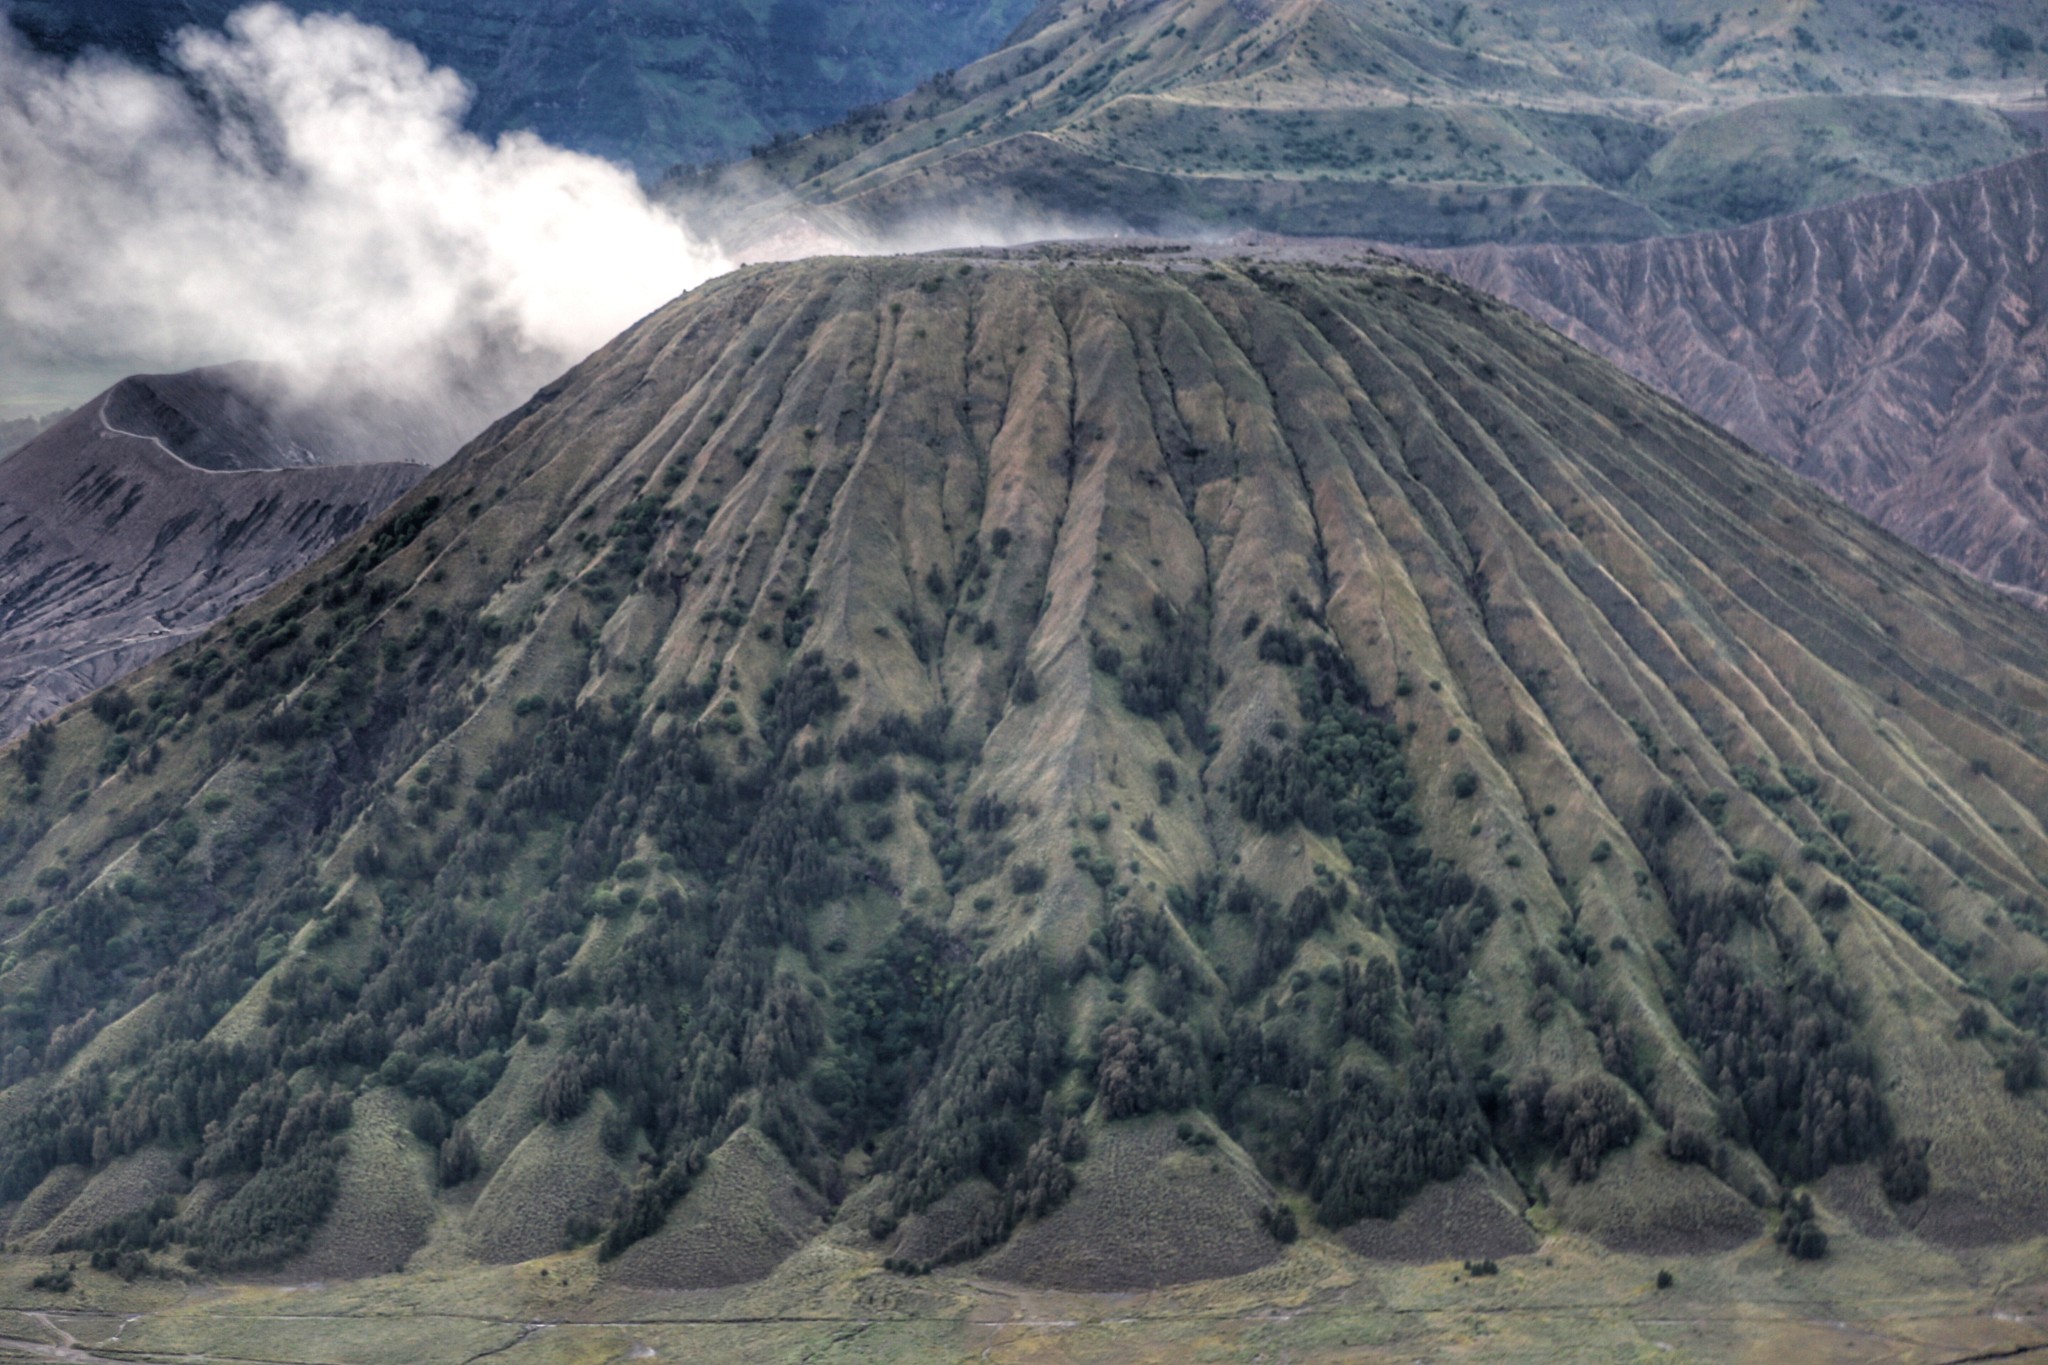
<point x="1892" y="349"/>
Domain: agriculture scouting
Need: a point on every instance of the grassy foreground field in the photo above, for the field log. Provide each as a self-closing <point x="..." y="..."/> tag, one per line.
<point x="1571" y="1300"/>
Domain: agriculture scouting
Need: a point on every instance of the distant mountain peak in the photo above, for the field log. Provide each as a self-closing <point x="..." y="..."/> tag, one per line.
<point x="160" y="505"/>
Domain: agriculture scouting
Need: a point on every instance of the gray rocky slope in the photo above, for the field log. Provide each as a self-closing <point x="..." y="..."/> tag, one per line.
<point x="148" y="514"/>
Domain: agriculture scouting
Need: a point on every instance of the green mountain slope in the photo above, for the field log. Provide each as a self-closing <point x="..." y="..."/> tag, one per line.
<point x="1436" y="123"/>
<point x="1105" y="764"/>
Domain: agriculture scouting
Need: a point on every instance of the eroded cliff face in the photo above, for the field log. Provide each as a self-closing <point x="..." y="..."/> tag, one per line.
<point x="147" y="515"/>
<point x="1892" y="349"/>
<point x="1047" y="756"/>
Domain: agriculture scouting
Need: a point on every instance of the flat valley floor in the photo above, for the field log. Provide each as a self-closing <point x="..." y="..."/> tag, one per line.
<point x="1869" y="1301"/>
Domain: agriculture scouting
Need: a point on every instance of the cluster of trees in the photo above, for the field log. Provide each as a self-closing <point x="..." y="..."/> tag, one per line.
<point x="980" y="1109"/>
<point x="1799" y="1088"/>
<point x="1363" y="1140"/>
<point x="887" y="1018"/>
<point x="1371" y="1142"/>
<point x="1799" y="1232"/>
<point x="1903" y="1171"/>
<point x="291" y="1157"/>
<point x="1802" y="1089"/>
<point x="1370" y="1008"/>
<point x="1146" y="1064"/>
<point x="687" y="1017"/>
<point x="1170" y="677"/>
<point x="1581" y="1120"/>
<point x="274" y="1151"/>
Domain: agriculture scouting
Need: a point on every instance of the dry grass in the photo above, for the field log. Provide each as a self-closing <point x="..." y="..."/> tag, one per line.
<point x="558" y="1173"/>
<point x="124" y="1186"/>
<point x="58" y="1189"/>
<point x="1645" y="1203"/>
<point x="1567" y="1301"/>
<point x="744" y="1215"/>
<point x="384" y="1207"/>
<point x="1147" y="1210"/>
<point x="1475" y="1217"/>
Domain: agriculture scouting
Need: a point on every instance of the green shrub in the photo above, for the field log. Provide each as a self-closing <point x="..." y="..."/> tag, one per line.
<point x="1800" y="1233"/>
<point x="1756" y="867"/>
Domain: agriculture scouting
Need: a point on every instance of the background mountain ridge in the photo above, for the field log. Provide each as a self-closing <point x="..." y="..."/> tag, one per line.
<point x="1888" y="348"/>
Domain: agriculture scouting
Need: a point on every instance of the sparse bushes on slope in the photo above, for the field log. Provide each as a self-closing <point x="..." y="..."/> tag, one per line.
<point x="614" y="882"/>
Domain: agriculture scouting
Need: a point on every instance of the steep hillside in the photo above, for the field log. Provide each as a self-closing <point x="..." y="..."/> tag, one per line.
<point x="1436" y="123"/>
<point x="1891" y="349"/>
<point x="144" y="517"/>
<point x="643" y="81"/>
<point x="1107" y="765"/>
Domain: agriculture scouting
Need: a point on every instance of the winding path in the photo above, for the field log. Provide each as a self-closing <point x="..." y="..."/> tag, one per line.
<point x="110" y="429"/>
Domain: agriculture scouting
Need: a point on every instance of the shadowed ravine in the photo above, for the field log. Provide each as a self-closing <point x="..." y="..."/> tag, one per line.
<point x="1098" y="764"/>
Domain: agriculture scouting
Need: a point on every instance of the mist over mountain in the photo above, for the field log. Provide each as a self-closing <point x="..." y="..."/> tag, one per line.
<point x="1115" y="769"/>
<point x="1890" y="349"/>
<point x="301" y="193"/>
<point x="16" y="431"/>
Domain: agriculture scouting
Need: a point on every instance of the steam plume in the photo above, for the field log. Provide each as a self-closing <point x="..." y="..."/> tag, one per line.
<point x="300" y="191"/>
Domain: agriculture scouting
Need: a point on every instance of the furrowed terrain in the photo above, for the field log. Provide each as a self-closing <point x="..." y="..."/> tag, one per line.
<point x="139" y="520"/>
<point x="1890" y="349"/>
<point x="1434" y="123"/>
<point x="1112" y="771"/>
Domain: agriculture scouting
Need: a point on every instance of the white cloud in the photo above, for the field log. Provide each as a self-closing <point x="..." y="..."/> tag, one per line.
<point x="305" y="195"/>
